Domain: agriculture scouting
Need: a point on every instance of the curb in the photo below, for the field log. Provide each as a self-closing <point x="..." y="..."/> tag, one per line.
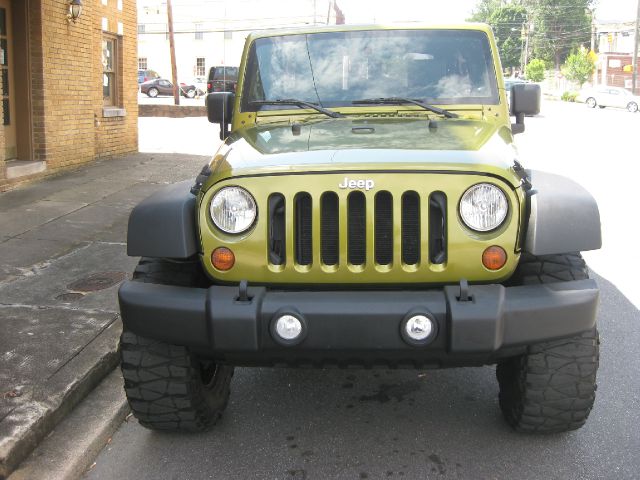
<point x="27" y="425"/>
<point x="71" y="449"/>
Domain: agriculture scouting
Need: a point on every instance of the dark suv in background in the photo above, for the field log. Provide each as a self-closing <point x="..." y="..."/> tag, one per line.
<point x="146" y="75"/>
<point x="222" y="79"/>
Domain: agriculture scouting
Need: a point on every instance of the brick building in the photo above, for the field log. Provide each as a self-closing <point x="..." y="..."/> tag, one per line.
<point x="69" y="89"/>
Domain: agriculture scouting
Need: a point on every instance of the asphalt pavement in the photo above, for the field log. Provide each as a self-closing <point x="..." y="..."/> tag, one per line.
<point x="356" y="424"/>
<point x="308" y="424"/>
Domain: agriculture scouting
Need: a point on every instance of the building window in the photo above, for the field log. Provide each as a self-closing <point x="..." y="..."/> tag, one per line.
<point x="142" y="63"/>
<point x="141" y="28"/>
<point x="200" y="67"/>
<point x="199" y="33"/>
<point x="109" y="70"/>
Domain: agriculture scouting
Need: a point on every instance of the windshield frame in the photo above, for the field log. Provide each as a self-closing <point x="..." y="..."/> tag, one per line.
<point x="493" y="98"/>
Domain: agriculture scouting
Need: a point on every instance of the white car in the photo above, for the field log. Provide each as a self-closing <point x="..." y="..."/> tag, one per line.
<point x="605" y="96"/>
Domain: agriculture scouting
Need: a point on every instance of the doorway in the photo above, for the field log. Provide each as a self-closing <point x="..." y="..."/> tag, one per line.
<point x="16" y="85"/>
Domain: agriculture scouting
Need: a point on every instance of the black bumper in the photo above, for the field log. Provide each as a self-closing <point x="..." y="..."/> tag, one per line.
<point x="359" y="327"/>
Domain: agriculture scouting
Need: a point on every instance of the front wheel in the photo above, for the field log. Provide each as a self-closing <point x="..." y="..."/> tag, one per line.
<point x="632" y="107"/>
<point x="168" y="388"/>
<point x="552" y="388"/>
<point x="152" y="92"/>
<point x="591" y="102"/>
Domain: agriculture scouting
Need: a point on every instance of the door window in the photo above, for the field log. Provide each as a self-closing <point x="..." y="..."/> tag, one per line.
<point x="4" y="66"/>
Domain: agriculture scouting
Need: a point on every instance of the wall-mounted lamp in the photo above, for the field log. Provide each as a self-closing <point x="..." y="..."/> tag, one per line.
<point x="75" y="10"/>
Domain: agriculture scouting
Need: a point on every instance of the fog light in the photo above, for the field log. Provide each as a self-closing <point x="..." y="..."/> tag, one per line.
<point x="288" y="327"/>
<point x="418" y="329"/>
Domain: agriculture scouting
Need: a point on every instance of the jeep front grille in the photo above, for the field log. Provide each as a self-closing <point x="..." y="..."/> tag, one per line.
<point x="374" y="233"/>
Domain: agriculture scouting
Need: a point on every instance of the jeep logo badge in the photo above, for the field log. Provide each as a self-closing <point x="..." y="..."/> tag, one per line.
<point x="361" y="184"/>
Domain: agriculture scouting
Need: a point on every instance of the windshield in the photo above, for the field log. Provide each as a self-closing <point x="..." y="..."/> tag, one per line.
<point x="445" y="67"/>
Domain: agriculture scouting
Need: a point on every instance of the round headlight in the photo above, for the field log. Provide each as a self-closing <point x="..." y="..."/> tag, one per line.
<point x="483" y="207"/>
<point x="233" y="209"/>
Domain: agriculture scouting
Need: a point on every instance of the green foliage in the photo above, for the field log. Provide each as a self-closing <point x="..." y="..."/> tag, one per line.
<point x="579" y="67"/>
<point x="557" y="27"/>
<point x="507" y="24"/>
<point x="506" y="20"/>
<point x="483" y="10"/>
<point x="534" y="71"/>
<point x="569" y="96"/>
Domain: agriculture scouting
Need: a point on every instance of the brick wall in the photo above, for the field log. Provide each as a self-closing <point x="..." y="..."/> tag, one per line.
<point x="173" y="111"/>
<point x="70" y="124"/>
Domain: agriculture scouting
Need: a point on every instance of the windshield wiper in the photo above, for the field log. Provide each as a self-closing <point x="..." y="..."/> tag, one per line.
<point x="402" y="100"/>
<point x="299" y="103"/>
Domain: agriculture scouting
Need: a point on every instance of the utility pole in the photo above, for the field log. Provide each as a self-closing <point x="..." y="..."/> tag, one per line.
<point x="634" y="75"/>
<point x="526" y="45"/>
<point x="172" y="49"/>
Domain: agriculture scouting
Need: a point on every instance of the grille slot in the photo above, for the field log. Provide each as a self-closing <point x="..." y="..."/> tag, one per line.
<point x="356" y="228"/>
<point x="410" y="228"/>
<point x="437" y="228"/>
<point x="277" y="229"/>
<point x="383" y="233"/>
<point x="303" y="233"/>
<point x="329" y="229"/>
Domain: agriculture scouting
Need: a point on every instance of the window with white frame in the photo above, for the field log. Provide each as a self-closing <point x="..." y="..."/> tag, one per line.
<point x="200" y="67"/>
<point x="110" y="70"/>
<point x="142" y="63"/>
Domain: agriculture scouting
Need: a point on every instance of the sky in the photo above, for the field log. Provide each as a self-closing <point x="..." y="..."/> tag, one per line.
<point x="438" y="11"/>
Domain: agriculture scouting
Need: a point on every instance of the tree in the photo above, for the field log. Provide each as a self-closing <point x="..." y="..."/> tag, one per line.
<point x="559" y="27"/>
<point x="484" y="9"/>
<point x="535" y="70"/>
<point x="507" y="22"/>
<point x="506" y="19"/>
<point x="579" y="67"/>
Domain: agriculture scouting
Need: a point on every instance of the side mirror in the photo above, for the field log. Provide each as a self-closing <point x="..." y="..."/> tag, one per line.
<point x="525" y="100"/>
<point x="220" y="110"/>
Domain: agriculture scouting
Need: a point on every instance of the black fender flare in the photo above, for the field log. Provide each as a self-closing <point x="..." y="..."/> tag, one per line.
<point x="164" y="224"/>
<point x="563" y="216"/>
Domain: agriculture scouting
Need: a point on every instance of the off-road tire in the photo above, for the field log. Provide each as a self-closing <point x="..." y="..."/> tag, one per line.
<point x="168" y="387"/>
<point x="552" y="387"/>
<point x="540" y="269"/>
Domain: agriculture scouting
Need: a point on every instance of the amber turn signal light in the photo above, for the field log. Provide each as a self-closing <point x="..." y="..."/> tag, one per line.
<point x="222" y="258"/>
<point x="494" y="257"/>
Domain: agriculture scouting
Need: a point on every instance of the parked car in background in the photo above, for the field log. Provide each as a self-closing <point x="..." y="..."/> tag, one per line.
<point x="146" y="75"/>
<point x="222" y="79"/>
<point x="606" y="96"/>
<point x="201" y="85"/>
<point x="162" y="86"/>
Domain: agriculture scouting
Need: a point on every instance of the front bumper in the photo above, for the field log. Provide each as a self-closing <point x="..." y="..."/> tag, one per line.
<point x="347" y="328"/>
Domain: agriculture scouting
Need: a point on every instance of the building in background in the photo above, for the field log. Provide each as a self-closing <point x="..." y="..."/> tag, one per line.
<point x="615" y="42"/>
<point x="69" y="89"/>
<point x="212" y="32"/>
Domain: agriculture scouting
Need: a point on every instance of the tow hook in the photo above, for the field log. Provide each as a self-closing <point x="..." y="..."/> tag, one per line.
<point x="464" y="291"/>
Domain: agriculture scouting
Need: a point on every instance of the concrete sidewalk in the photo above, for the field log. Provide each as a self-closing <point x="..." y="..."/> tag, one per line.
<point x="62" y="257"/>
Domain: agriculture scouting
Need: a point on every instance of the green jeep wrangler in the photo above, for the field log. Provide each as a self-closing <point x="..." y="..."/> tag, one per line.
<point x="366" y="209"/>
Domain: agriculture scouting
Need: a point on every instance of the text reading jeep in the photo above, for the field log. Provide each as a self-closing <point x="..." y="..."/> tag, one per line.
<point x="366" y="208"/>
